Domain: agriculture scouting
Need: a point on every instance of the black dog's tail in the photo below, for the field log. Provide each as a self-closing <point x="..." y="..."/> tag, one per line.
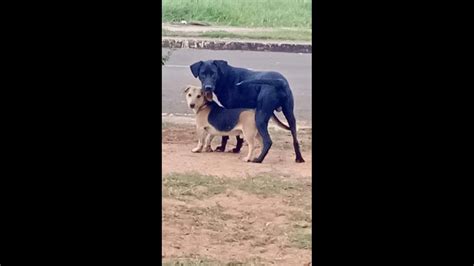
<point x="273" y="82"/>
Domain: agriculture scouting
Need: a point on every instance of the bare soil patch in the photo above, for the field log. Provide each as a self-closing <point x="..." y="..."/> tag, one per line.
<point x="179" y="139"/>
<point x="219" y="210"/>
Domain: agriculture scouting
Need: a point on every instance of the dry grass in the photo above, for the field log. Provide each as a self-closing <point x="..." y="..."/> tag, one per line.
<point x="190" y="187"/>
<point x="194" y="185"/>
<point x="276" y="34"/>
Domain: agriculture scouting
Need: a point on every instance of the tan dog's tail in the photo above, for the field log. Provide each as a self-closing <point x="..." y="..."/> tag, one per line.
<point x="279" y="123"/>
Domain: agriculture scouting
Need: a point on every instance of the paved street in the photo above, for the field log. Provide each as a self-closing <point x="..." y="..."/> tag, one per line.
<point x="295" y="67"/>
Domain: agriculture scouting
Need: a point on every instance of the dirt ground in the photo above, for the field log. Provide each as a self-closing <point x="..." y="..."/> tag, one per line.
<point x="219" y="210"/>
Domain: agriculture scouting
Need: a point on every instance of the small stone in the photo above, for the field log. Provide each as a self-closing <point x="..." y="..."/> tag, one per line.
<point x="302" y="224"/>
<point x="201" y="189"/>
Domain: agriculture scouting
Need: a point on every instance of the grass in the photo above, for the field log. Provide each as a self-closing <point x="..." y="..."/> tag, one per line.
<point x="282" y="139"/>
<point x="244" y="13"/>
<point x="195" y="185"/>
<point x="301" y="238"/>
<point x="190" y="186"/>
<point x="191" y="262"/>
<point x="278" y="34"/>
<point x="208" y="262"/>
<point x="267" y="186"/>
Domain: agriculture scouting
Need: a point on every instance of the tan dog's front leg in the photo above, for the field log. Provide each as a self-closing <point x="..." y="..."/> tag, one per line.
<point x="201" y="133"/>
<point x="207" y="145"/>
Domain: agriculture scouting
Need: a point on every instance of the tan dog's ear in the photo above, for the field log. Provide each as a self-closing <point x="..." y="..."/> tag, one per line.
<point x="187" y="89"/>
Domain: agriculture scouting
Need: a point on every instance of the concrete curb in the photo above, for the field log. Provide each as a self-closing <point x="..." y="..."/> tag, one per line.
<point x="246" y="45"/>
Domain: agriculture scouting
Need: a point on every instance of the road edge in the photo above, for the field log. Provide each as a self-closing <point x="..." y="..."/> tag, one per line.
<point x="244" y="45"/>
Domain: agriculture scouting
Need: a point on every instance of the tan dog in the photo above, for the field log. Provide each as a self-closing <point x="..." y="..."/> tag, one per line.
<point x="213" y="120"/>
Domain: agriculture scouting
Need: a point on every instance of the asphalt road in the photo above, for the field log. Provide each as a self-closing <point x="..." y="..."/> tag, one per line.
<point x="295" y="67"/>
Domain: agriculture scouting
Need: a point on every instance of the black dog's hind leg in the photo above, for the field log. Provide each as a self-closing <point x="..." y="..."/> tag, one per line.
<point x="223" y="144"/>
<point x="239" y="145"/>
<point x="262" y="118"/>
<point x="290" y="117"/>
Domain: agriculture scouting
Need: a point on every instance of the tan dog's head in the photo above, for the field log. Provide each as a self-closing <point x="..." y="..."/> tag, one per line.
<point x="195" y="97"/>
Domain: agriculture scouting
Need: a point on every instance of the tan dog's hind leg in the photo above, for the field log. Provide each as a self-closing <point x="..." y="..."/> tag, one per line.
<point x="251" y="145"/>
<point x="250" y="134"/>
<point x="258" y="141"/>
<point x="201" y="133"/>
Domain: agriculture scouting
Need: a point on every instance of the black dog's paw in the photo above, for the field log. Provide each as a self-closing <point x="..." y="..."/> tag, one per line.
<point x="299" y="160"/>
<point x="236" y="150"/>
<point x="256" y="161"/>
<point x="219" y="149"/>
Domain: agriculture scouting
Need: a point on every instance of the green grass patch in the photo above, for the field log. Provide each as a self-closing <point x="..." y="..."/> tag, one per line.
<point x="300" y="216"/>
<point x="195" y="185"/>
<point x="282" y="139"/>
<point x="192" y="184"/>
<point x="191" y="262"/>
<point x="301" y="228"/>
<point x="301" y="238"/>
<point x="267" y="186"/>
<point x="245" y="13"/>
<point x="209" y="262"/>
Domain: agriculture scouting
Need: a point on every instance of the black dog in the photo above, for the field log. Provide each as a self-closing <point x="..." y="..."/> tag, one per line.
<point x="242" y="88"/>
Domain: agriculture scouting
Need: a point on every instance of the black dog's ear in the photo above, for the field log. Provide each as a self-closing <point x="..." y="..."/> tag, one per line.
<point x="221" y="65"/>
<point x="195" y="68"/>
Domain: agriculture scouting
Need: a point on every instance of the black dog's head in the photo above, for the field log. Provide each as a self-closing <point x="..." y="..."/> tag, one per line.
<point x="209" y="72"/>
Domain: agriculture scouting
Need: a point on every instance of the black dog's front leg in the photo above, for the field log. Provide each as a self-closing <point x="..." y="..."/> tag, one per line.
<point x="239" y="145"/>
<point x="223" y="144"/>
